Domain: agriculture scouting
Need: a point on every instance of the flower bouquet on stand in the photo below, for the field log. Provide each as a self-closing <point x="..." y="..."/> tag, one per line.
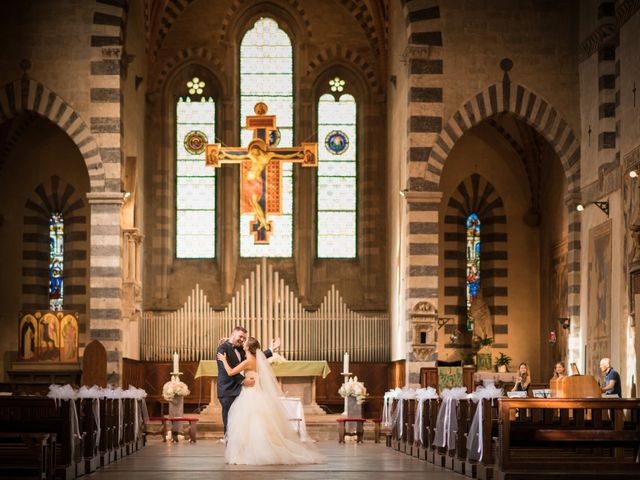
<point x="174" y="392"/>
<point x="356" y="393"/>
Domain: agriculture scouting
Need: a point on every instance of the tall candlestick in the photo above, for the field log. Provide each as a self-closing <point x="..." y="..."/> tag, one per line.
<point x="175" y="362"/>
<point x="345" y="363"/>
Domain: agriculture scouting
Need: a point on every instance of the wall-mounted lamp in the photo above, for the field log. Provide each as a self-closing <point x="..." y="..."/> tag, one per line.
<point x="127" y="195"/>
<point x="604" y="206"/>
<point x="565" y="322"/>
<point x="633" y="173"/>
<point x="403" y="193"/>
<point x="442" y="321"/>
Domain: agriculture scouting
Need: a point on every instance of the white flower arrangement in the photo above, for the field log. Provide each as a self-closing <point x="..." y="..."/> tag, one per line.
<point x="354" y="388"/>
<point x="174" y="388"/>
<point x="277" y="359"/>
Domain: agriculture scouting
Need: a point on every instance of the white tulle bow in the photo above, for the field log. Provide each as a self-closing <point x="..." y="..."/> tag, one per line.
<point x="447" y="422"/>
<point x="474" y="438"/>
<point x="422" y="395"/>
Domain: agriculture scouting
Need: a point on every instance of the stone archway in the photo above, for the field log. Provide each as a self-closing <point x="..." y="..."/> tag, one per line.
<point x="32" y="96"/>
<point x="531" y="108"/>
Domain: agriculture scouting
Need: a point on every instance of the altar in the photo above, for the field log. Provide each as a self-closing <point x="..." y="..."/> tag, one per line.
<point x="296" y="379"/>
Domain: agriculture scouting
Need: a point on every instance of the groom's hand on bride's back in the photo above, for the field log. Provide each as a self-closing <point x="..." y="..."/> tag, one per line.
<point x="249" y="382"/>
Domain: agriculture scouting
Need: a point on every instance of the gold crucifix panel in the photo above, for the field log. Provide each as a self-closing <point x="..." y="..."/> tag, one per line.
<point x="261" y="165"/>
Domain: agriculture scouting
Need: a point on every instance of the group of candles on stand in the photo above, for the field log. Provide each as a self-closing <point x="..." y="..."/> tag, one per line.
<point x="346" y="374"/>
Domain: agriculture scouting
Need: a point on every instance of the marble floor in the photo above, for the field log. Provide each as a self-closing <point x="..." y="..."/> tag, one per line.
<point x="205" y="460"/>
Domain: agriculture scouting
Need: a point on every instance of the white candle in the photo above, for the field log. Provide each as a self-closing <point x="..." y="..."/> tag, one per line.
<point x="175" y="362"/>
<point x="345" y="363"/>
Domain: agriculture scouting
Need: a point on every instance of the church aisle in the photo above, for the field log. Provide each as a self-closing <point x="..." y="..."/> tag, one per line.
<point x="205" y="460"/>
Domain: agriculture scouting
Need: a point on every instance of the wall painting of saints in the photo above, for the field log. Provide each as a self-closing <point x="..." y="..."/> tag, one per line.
<point x="69" y="339"/>
<point x="28" y="337"/>
<point x="49" y="338"/>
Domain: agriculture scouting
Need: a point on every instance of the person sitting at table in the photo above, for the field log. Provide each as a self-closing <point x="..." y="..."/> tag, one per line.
<point x="523" y="380"/>
<point x="559" y="371"/>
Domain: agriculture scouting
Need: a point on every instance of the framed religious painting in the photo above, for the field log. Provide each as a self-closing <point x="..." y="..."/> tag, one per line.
<point x="69" y="338"/>
<point x="49" y="337"/>
<point x="27" y="337"/>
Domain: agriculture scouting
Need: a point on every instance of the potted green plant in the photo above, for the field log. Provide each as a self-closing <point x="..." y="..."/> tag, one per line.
<point x="503" y="362"/>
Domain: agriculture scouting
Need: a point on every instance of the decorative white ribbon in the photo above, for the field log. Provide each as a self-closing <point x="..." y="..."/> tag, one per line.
<point x="387" y="413"/>
<point x="66" y="393"/>
<point x="447" y="422"/>
<point x="475" y="434"/>
<point x="422" y="395"/>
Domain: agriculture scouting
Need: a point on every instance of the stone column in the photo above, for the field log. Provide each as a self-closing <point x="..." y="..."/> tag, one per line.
<point x="421" y="252"/>
<point x="105" y="278"/>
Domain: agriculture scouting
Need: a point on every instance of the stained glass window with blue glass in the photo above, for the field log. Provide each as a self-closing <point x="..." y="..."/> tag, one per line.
<point x="56" y="261"/>
<point x="195" y="183"/>
<point x="337" y="177"/>
<point x="473" y="263"/>
<point x="266" y="75"/>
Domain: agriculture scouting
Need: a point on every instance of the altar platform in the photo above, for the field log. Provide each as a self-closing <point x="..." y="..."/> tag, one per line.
<point x="296" y="379"/>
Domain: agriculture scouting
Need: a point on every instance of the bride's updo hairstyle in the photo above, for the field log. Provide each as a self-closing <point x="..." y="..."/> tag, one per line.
<point x="253" y="344"/>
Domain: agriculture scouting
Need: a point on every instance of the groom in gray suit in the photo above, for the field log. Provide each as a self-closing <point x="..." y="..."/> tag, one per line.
<point x="229" y="387"/>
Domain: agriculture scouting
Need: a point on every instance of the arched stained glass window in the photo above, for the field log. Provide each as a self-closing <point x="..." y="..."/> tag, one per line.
<point x="195" y="183"/>
<point x="266" y="75"/>
<point x="337" y="173"/>
<point x="56" y="261"/>
<point x="473" y="263"/>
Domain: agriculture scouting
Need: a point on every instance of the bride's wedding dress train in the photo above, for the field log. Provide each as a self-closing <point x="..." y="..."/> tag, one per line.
<point x="258" y="431"/>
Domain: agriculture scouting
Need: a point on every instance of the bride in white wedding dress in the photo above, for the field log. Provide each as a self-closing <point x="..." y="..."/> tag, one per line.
<point x="258" y="431"/>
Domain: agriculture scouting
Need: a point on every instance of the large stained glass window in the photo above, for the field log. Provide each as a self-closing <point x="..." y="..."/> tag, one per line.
<point x="56" y="261"/>
<point x="266" y="75"/>
<point x="337" y="173"/>
<point x="195" y="183"/>
<point x="473" y="263"/>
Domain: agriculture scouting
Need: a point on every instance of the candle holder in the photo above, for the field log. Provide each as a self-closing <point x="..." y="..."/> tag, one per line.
<point x="346" y="376"/>
<point x="175" y="375"/>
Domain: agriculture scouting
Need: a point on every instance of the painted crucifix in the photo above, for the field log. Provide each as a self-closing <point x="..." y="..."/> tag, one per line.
<point x="261" y="169"/>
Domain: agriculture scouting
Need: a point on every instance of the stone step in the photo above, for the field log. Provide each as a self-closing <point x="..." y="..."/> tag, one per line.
<point x="320" y="429"/>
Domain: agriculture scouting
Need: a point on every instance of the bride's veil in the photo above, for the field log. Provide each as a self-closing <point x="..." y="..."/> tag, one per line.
<point x="267" y="379"/>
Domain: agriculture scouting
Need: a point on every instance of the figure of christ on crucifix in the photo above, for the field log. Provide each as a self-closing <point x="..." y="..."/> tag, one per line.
<point x="261" y="166"/>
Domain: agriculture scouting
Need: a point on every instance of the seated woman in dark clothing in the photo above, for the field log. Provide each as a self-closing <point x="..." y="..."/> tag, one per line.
<point x="523" y="380"/>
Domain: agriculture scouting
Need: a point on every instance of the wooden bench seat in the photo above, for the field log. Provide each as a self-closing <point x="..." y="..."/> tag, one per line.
<point x="554" y="438"/>
<point x="342" y="430"/>
<point x="29" y="455"/>
<point x="165" y="421"/>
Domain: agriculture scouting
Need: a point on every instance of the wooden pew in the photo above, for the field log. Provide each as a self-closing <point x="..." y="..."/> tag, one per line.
<point x="430" y="450"/>
<point x="89" y="430"/>
<point x="39" y="415"/>
<point x="107" y="431"/>
<point x="484" y="468"/>
<point x="30" y="455"/>
<point x="409" y="420"/>
<point x="464" y="414"/>
<point x="588" y="438"/>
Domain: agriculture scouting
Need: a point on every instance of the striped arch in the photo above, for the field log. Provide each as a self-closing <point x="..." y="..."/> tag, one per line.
<point x="524" y="104"/>
<point x="361" y="12"/>
<point x="476" y="195"/>
<point x="232" y="11"/>
<point x="547" y="121"/>
<point x="31" y="96"/>
<point x="184" y="56"/>
<point x="333" y="54"/>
